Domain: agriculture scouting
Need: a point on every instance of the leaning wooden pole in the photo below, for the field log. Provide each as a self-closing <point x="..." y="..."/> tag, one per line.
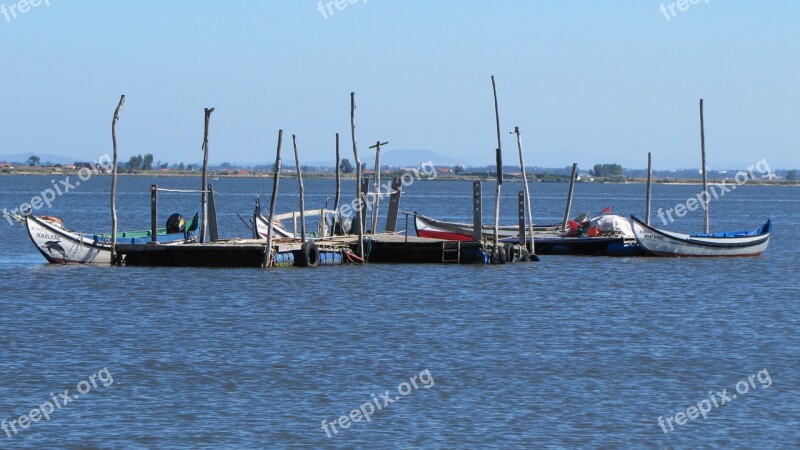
<point x="302" y="192"/>
<point x="649" y="186"/>
<point x="569" y="196"/>
<point x="499" y="158"/>
<point x="114" y="182"/>
<point x="204" y="193"/>
<point x="703" y="168"/>
<point x="359" y="195"/>
<point x="275" y="178"/>
<point x="531" y="248"/>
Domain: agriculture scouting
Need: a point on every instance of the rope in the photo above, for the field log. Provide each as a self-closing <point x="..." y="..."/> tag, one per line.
<point x="353" y="257"/>
<point x="183" y="191"/>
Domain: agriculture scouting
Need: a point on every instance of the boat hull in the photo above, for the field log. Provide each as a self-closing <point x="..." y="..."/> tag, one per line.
<point x="667" y="243"/>
<point x="432" y="228"/>
<point x="61" y="246"/>
<point x="547" y="241"/>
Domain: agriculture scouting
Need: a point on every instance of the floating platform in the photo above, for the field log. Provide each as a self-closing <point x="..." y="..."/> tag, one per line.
<point x="393" y="248"/>
<point x="582" y="246"/>
<point x="336" y="250"/>
<point x="228" y="253"/>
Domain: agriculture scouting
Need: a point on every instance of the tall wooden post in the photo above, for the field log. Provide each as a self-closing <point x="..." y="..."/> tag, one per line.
<point x="569" y="196"/>
<point x="703" y="168"/>
<point x="359" y="196"/>
<point x="114" y="182"/>
<point x="649" y="185"/>
<point x="521" y="216"/>
<point x="531" y="247"/>
<point x="302" y="193"/>
<point x="477" y="211"/>
<point x="153" y="213"/>
<point x="213" y="228"/>
<point x="338" y="179"/>
<point x="394" y="205"/>
<point x="364" y="200"/>
<point x="273" y="197"/>
<point x="377" y="200"/>
<point x="499" y="158"/>
<point x="204" y="193"/>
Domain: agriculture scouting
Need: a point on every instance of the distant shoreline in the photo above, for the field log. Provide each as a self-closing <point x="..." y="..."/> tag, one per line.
<point x="158" y="174"/>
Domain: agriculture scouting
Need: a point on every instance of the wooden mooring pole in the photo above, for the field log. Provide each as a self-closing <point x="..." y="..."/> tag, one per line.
<point x="569" y="196"/>
<point x="394" y="205"/>
<point x="114" y="182"/>
<point x="649" y="186"/>
<point x="153" y="213"/>
<point x="276" y="177"/>
<point x="302" y="193"/>
<point x="213" y="225"/>
<point x="531" y="247"/>
<point x="706" y="223"/>
<point x="338" y="178"/>
<point x="477" y="211"/>
<point x="521" y="216"/>
<point x="359" y="196"/>
<point x="377" y="200"/>
<point x="499" y="159"/>
<point x="204" y="193"/>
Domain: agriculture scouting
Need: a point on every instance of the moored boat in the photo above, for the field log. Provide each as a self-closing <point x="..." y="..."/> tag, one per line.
<point x="60" y="245"/>
<point x="548" y="240"/>
<point x="733" y="243"/>
<point x="329" y="223"/>
<point x="454" y="231"/>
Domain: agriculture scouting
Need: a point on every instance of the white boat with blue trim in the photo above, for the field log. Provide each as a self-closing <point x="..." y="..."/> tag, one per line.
<point x="732" y="243"/>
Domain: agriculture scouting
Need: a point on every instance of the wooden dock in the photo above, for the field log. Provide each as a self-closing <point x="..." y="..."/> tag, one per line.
<point x="378" y="248"/>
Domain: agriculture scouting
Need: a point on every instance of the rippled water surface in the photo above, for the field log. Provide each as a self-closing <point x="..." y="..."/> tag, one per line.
<point x="568" y="352"/>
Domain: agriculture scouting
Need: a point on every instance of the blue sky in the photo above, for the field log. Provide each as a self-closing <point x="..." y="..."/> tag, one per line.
<point x="587" y="81"/>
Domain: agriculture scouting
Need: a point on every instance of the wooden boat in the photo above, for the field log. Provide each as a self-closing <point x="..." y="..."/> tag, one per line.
<point x="324" y="228"/>
<point x="60" y="245"/>
<point x="547" y="239"/>
<point x="668" y="243"/>
<point x="453" y="231"/>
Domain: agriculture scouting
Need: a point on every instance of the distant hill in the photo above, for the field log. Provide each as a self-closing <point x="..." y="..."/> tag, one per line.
<point x="44" y="158"/>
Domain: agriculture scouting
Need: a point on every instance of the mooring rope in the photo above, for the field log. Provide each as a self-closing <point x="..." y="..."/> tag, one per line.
<point x="183" y="191"/>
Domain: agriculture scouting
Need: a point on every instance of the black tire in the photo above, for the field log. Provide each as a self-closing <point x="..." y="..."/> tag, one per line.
<point x="509" y="249"/>
<point x="309" y="255"/>
<point x="499" y="255"/>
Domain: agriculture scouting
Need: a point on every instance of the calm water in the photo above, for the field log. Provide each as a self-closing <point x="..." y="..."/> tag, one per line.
<point x="570" y="352"/>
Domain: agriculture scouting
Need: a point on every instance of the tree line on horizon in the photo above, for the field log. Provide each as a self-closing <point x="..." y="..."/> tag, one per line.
<point x="146" y="162"/>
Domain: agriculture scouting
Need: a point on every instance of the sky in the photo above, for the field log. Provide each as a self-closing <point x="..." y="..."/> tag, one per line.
<point x="586" y="81"/>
